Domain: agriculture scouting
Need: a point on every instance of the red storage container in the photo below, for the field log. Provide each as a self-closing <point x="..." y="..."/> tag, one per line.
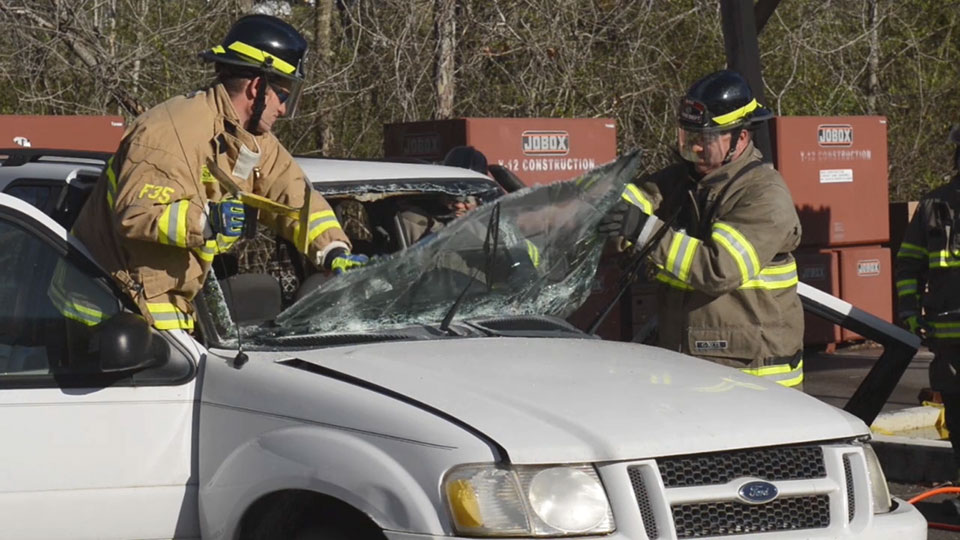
<point x="92" y="133"/>
<point x="819" y="269"/>
<point x="866" y="277"/>
<point x="836" y="169"/>
<point x="605" y="288"/>
<point x="537" y="150"/>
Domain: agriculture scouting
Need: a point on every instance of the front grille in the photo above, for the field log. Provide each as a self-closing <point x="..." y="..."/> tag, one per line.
<point x="643" y="501"/>
<point x="783" y="463"/>
<point x="851" y="499"/>
<point x="731" y="518"/>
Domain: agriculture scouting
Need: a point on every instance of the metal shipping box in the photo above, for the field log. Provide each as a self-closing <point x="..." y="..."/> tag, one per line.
<point x="537" y="150"/>
<point x="819" y="269"/>
<point x="866" y="278"/>
<point x="836" y="169"/>
<point x="605" y="287"/>
<point x="92" y="133"/>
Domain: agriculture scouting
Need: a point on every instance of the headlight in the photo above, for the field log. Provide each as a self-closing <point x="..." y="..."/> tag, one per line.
<point x="487" y="500"/>
<point x="878" y="482"/>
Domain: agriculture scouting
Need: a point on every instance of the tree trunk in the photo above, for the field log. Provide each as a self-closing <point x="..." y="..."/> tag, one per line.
<point x="446" y="29"/>
<point x="873" y="60"/>
<point x="323" y="123"/>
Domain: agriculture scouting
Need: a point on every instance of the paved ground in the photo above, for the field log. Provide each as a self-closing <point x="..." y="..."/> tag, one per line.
<point x="834" y="377"/>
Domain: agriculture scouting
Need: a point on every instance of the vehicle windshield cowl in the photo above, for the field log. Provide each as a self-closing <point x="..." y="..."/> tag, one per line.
<point x="546" y="256"/>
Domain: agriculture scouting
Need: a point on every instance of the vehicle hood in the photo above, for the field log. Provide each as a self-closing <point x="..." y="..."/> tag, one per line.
<point x="549" y="400"/>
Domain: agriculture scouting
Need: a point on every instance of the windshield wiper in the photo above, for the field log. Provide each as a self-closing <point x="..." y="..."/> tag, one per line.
<point x="493" y="233"/>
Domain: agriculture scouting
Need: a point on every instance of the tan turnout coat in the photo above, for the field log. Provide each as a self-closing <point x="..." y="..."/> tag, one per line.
<point x="144" y="221"/>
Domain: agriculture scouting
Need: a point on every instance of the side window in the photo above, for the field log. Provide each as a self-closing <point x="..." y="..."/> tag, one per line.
<point x="48" y="308"/>
<point x="39" y="196"/>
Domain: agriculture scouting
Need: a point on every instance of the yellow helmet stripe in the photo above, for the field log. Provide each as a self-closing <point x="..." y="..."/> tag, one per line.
<point x="260" y="56"/>
<point x="733" y="116"/>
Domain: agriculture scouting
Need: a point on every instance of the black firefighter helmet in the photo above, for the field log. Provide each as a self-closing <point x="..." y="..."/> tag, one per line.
<point x="266" y="46"/>
<point x="717" y="103"/>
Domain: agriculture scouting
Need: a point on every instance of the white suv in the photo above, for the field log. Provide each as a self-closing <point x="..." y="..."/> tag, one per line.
<point x="436" y="393"/>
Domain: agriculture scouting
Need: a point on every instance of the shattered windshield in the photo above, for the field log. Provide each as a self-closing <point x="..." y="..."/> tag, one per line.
<point x="531" y="252"/>
<point x="361" y="190"/>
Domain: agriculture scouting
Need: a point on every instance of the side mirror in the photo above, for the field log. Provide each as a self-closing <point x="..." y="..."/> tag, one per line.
<point x="125" y="342"/>
<point x="505" y="177"/>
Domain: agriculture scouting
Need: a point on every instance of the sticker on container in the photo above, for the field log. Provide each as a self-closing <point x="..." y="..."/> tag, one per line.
<point x="833" y="135"/>
<point x="545" y="143"/>
<point x="869" y="267"/>
<point x="813" y="273"/>
<point x="422" y="145"/>
<point x="21" y="141"/>
<point x="836" y="176"/>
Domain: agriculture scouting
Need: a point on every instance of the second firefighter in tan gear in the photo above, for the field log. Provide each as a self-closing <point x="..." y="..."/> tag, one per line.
<point x="727" y="277"/>
<point x="153" y="220"/>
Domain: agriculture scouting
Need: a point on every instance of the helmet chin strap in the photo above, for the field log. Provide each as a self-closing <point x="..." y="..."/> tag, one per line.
<point x="734" y="141"/>
<point x="259" y="104"/>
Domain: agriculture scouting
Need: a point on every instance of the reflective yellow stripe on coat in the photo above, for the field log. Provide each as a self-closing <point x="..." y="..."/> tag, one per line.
<point x="166" y="316"/>
<point x="781" y="276"/>
<point x="680" y="256"/>
<point x="943" y="259"/>
<point x="111" y="184"/>
<point x="739" y="248"/>
<point x="911" y="251"/>
<point x="634" y="196"/>
<point x="775" y="277"/>
<point x="907" y="287"/>
<point x="71" y="306"/>
<point x="172" y="226"/>
<point x="945" y="330"/>
<point x="783" y="374"/>
<point x="320" y="222"/>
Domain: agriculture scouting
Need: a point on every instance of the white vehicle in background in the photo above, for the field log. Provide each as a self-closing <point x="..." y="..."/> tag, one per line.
<point x="436" y="393"/>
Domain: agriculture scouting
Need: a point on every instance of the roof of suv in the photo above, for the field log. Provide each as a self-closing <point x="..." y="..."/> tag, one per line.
<point x="52" y="163"/>
<point x="39" y="163"/>
<point x="323" y="170"/>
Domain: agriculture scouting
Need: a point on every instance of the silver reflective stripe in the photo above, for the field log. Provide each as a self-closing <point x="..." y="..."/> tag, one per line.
<point x="172" y="222"/>
<point x="677" y="268"/>
<point x="741" y="249"/>
<point x="778" y="278"/>
<point x="326" y="219"/>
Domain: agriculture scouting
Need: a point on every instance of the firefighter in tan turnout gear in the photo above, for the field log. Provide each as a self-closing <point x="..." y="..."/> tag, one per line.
<point x="928" y="289"/>
<point x="159" y="214"/>
<point x="728" y="281"/>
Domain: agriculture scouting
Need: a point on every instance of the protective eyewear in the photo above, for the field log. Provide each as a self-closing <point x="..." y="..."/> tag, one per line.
<point x="288" y="94"/>
<point x="282" y="94"/>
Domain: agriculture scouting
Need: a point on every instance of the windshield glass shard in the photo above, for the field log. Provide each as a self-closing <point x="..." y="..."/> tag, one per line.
<point x="543" y="264"/>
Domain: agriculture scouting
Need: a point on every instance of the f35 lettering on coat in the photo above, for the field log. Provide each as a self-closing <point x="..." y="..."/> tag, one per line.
<point x="158" y="193"/>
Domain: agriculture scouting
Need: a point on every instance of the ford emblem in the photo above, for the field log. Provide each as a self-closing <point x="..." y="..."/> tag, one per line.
<point x="758" y="492"/>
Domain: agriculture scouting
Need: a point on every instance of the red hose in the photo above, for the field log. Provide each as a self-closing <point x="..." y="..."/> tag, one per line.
<point x="931" y="493"/>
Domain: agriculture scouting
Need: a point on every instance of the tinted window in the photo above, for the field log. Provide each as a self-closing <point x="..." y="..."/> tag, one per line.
<point x="41" y="197"/>
<point x="48" y="308"/>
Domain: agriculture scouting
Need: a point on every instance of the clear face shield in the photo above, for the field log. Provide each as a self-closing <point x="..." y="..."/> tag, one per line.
<point x="692" y="144"/>
<point x="288" y="92"/>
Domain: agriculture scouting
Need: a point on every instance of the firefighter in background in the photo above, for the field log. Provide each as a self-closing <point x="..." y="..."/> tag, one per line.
<point x="728" y="281"/>
<point x="928" y="289"/>
<point x="158" y="215"/>
<point x="417" y="223"/>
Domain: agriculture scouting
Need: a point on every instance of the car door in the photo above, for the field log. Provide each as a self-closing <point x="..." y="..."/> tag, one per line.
<point x="86" y="452"/>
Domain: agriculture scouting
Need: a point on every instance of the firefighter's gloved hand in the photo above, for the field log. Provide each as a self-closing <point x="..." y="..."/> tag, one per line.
<point x="626" y="221"/>
<point x="226" y="217"/>
<point x="917" y="326"/>
<point x="340" y="261"/>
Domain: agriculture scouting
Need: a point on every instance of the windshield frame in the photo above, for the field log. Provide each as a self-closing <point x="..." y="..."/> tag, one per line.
<point x="274" y="333"/>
